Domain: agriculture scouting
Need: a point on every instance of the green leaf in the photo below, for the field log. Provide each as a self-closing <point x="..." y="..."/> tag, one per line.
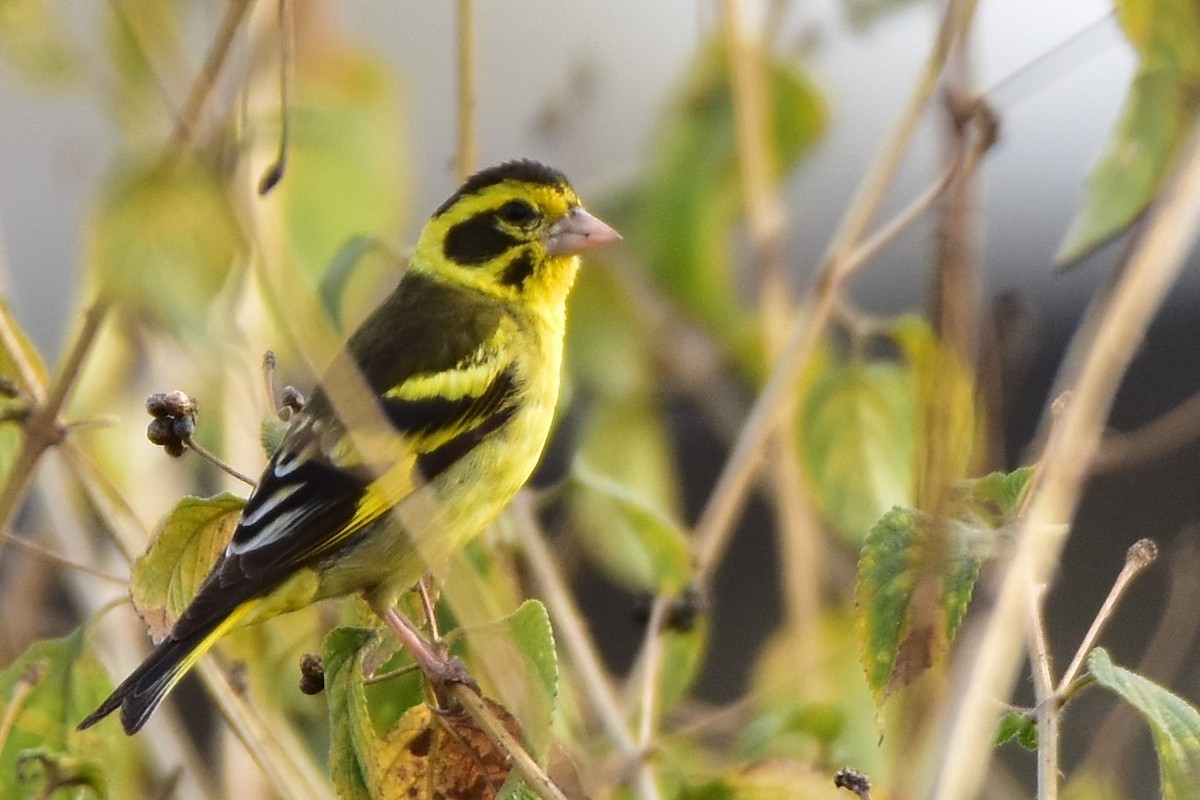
<point x="354" y="750"/>
<point x="1016" y="726"/>
<point x="1163" y="32"/>
<point x="911" y="596"/>
<point x="946" y="423"/>
<point x="995" y="499"/>
<point x="517" y="653"/>
<point x="856" y="429"/>
<point x="355" y="258"/>
<point x="164" y="241"/>
<point x="515" y="788"/>
<point x="185" y="547"/>
<point x="683" y="656"/>
<point x="1174" y="723"/>
<point x="788" y="723"/>
<point x="271" y="434"/>
<point x="46" y="692"/>
<point x="1156" y="121"/>
<point x="776" y="780"/>
<point x="634" y="541"/>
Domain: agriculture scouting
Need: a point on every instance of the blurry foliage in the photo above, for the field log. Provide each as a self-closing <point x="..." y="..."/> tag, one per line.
<point x="45" y="693"/>
<point x="888" y="430"/>
<point x="680" y="219"/>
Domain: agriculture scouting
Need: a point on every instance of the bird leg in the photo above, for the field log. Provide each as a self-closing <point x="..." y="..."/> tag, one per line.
<point x="439" y="667"/>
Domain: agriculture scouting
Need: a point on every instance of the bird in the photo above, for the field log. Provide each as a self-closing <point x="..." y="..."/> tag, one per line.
<point x="463" y="361"/>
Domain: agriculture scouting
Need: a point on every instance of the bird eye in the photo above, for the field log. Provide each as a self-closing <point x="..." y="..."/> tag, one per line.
<point x="518" y="212"/>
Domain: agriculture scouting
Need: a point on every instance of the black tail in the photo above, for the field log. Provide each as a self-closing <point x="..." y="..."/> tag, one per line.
<point x="140" y="693"/>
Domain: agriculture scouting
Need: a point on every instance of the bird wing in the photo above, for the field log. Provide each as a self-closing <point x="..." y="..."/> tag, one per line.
<point x="318" y="493"/>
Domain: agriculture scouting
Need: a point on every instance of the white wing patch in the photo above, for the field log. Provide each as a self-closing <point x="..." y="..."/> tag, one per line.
<point x="277" y="528"/>
<point x="269" y="505"/>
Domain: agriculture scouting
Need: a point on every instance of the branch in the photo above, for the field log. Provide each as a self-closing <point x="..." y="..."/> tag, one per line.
<point x="1140" y="289"/>
<point x="206" y="81"/>
<point x="1170" y="432"/>
<point x="43" y="428"/>
<point x="571" y="630"/>
<point x="466" y="157"/>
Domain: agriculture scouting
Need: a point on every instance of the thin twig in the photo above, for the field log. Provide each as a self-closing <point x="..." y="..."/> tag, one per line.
<point x="42" y="428"/>
<point x="1140" y="555"/>
<point x="196" y="448"/>
<point x="466" y="157"/>
<point x="843" y="258"/>
<point x="206" y="81"/>
<point x="275" y="748"/>
<point x="1047" y="699"/>
<point x="27" y="374"/>
<point x="1162" y="659"/>
<point x="800" y="542"/>
<point x="1169" y="433"/>
<point x="1140" y="290"/>
<point x="650" y="668"/>
<point x="61" y="560"/>
<point x="33" y="675"/>
<point x="570" y="628"/>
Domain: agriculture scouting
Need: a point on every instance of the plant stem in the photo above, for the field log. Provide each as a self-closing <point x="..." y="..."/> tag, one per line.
<point x="466" y="157"/>
<point x="800" y="543"/>
<point x="274" y="747"/>
<point x="43" y="427"/>
<point x="1047" y="700"/>
<point x="1140" y="555"/>
<point x="651" y="657"/>
<point x="202" y="86"/>
<point x="843" y="258"/>
<point x="1139" y="291"/>
<point x="570" y="629"/>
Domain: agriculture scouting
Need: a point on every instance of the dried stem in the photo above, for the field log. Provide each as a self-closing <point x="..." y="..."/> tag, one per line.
<point x="800" y="543"/>
<point x="43" y="428"/>
<point x="1139" y="556"/>
<point x="715" y="524"/>
<point x="466" y="157"/>
<point x="571" y="631"/>
<point x="1140" y="289"/>
<point x="195" y="447"/>
<point x="274" y="747"/>
<point x="1167" y="434"/>
<point x="650" y="668"/>
<point x="61" y="560"/>
<point x="1166" y="654"/>
<point x="1047" y="699"/>
<point x="206" y="81"/>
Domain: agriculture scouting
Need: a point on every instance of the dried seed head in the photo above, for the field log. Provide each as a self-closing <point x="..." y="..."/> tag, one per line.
<point x="312" y="674"/>
<point x="1141" y="553"/>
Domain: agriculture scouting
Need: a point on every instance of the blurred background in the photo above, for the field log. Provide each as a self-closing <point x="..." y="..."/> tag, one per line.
<point x="587" y="87"/>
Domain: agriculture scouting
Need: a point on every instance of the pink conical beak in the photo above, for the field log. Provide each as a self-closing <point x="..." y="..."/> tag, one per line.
<point x="576" y="232"/>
